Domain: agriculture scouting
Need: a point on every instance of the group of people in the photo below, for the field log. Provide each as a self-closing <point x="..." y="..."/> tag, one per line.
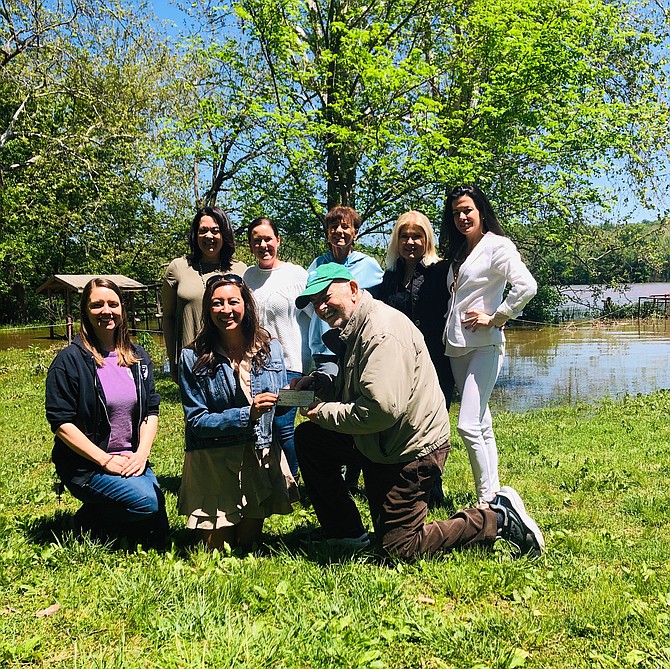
<point x="380" y="351"/>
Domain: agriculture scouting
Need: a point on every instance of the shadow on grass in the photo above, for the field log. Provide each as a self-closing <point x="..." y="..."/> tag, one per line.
<point x="303" y="542"/>
<point x="307" y="543"/>
<point x="45" y="529"/>
<point x="169" y="484"/>
<point x="62" y="527"/>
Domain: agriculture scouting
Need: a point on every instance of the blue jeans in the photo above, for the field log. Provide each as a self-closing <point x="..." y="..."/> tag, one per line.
<point x="118" y="500"/>
<point x="284" y="426"/>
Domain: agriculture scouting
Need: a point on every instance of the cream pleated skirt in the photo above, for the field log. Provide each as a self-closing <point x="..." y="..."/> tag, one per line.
<point x="220" y="486"/>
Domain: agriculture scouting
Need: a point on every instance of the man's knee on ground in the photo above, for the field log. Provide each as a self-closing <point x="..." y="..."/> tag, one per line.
<point x="401" y="545"/>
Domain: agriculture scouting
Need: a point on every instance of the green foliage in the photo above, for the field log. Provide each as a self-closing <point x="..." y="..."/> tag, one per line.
<point x="109" y="134"/>
<point x="77" y="115"/>
<point x="384" y="106"/>
<point x="543" y="307"/>
<point x="595" y="478"/>
<point x="612" y="254"/>
<point x="155" y="351"/>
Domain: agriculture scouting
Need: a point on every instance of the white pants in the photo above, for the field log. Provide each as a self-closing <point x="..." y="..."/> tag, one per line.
<point x="475" y="374"/>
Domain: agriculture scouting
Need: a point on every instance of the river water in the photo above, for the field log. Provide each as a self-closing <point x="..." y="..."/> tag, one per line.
<point x="584" y="301"/>
<point x="547" y="366"/>
<point x="555" y="365"/>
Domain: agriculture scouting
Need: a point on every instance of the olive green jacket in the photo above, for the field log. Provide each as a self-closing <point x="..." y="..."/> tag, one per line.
<point x="389" y="395"/>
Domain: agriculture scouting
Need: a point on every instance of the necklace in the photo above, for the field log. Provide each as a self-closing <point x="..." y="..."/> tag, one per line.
<point x="201" y="272"/>
<point x="456" y="267"/>
<point x="235" y="356"/>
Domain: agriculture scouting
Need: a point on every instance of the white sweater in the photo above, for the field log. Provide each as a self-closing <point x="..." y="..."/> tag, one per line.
<point x="275" y="291"/>
<point x="482" y="278"/>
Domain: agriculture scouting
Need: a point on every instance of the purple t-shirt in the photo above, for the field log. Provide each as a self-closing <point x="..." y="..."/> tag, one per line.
<point x="119" y="386"/>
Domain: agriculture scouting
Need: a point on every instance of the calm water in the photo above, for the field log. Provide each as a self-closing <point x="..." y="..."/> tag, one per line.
<point x="27" y="337"/>
<point x="555" y="364"/>
<point x="546" y="366"/>
<point x="581" y="301"/>
<point x="24" y="338"/>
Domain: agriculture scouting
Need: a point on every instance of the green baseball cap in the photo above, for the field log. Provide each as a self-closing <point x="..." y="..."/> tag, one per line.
<point x="320" y="279"/>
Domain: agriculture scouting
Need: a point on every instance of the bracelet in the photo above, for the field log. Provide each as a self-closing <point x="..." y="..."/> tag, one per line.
<point x="108" y="461"/>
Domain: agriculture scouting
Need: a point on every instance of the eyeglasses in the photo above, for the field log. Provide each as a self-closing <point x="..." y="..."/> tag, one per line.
<point x="228" y="278"/>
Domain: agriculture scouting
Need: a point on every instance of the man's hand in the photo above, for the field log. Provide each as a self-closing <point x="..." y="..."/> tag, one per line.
<point x="303" y="383"/>
<point x="312" y="411"/>
<point x="316" y="381"/>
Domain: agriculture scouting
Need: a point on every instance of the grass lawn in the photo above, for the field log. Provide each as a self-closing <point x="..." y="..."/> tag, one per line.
<point x="594" y="477"/>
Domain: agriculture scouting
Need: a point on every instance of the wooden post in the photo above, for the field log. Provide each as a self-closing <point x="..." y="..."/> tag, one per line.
<point x="131" y="313"/>
<point x="146" y="310"/>
<point x="52" y="334"/>
<point x="159" y="308"/>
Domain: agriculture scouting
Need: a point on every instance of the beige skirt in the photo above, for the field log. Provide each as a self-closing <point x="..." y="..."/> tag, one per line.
<point x="220" y="486"/>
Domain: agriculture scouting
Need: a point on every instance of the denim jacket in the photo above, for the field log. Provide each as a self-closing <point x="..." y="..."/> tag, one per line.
<point x="216" y="409"/>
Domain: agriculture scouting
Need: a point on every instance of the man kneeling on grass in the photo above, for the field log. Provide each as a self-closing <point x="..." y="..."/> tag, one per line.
<point x="385" y="412"/>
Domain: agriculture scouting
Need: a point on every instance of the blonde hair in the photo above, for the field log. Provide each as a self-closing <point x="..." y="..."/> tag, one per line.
<point x="420" y="221"/>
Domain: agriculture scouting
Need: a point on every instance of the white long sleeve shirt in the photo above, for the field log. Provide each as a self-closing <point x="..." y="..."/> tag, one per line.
<point x="482" y="278"/>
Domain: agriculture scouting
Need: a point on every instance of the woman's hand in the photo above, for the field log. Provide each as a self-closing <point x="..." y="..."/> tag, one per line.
<point x="114" y="464"/>
<point x="479" y="319"/>
<point x="263" y="403"/>
<point x="134" y="464"/>
<point x="126" y="464"/>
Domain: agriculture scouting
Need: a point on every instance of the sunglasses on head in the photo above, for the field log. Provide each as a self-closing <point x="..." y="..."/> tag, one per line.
<point x="228" y="278"/>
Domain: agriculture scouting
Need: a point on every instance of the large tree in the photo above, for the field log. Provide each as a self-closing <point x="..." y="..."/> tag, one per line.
<point x="80" y="95"/>
<point x="385" y="104"/>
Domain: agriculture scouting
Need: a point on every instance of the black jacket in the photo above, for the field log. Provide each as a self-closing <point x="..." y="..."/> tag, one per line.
<point x="425" y="301"/>
<point x="74" y="395"/>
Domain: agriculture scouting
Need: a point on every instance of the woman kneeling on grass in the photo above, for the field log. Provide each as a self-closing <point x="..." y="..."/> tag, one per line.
<point x="102" y="406"/>
<point x="235" y="474"/>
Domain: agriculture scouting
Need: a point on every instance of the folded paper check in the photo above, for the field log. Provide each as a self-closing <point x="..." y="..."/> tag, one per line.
<point x="295" y="398"/>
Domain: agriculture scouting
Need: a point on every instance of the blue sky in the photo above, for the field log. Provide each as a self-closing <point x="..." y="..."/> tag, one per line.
<point x="167" y="10"/>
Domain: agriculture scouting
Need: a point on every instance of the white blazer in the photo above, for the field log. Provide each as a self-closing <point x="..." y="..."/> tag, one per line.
<point x="482" y="278"/>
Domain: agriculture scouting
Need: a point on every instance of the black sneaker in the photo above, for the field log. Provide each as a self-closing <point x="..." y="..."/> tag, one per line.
<point x="517" y="527"/>
<point x="352" y="543"/>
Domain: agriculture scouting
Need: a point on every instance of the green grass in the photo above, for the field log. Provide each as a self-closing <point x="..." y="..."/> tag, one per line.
<point x="594" y="477"/>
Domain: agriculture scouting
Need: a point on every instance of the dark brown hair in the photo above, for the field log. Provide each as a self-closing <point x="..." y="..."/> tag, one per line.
<point x="227" y="236"/>
<point x="256" y="338"/>
<point x="449" y="233"/>
<point x="345" y="214"/>
<point x="261" y="220"/>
